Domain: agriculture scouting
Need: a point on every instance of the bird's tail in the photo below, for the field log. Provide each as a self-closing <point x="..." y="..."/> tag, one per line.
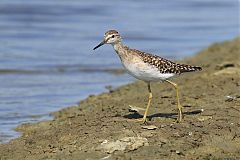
<point x="188" y="68"/>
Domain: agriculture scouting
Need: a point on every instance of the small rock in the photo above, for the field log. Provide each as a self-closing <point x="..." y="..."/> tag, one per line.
<point x="104" y="142"/>
<point x="203" y="118"/>
<point x="135" y="109"/>
<point x="150" y="127"/>
<point x="230" y="98"/>
<point x="126" y="143"/>
<point x="178" y="152"/>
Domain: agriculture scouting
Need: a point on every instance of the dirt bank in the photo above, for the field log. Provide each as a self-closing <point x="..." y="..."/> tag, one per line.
<point x="101" y="127"/>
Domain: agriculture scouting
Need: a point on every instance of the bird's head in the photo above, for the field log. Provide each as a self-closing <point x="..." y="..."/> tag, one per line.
<point x="110" y="37"/>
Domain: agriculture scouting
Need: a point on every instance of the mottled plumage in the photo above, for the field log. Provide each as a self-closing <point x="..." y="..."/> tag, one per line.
<point x="164" y="65"/>
<point x="146" y="66"/>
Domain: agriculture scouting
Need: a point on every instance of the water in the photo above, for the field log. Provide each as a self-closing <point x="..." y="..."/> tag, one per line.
<point x="46" y="56"/>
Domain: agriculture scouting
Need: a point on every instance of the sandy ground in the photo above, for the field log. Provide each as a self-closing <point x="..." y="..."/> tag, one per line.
<point x="102" y="127"/>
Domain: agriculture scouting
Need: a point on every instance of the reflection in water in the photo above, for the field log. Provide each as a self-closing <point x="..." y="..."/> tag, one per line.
<point x="46" y="53"/>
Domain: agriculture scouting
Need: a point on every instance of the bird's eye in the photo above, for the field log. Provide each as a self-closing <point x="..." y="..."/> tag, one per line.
<point x="113" y="36"/>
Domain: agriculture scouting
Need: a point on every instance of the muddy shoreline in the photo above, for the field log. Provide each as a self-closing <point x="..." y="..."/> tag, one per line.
<point x="102" y="127"/>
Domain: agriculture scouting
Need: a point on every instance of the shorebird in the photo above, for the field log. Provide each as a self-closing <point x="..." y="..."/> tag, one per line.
<point x="147" y="67"/>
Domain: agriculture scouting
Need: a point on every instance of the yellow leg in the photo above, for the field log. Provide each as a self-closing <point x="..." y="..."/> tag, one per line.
<point x="180" y="116"/>
<point x="149" y="103"/>
<point x="144" y="119"/>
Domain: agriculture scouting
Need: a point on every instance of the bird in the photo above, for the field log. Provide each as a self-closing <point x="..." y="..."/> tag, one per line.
<point x="147" y="67"/>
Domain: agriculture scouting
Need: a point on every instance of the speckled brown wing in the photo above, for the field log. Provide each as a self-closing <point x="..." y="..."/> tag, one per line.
<point x="164" y="65"/>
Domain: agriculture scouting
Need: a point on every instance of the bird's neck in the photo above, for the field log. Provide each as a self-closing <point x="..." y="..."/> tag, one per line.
<point x="119" y="48"/>
<point x="123" y="52"/>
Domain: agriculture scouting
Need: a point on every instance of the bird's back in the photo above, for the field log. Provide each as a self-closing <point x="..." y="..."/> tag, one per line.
<point x="164" y="65"/>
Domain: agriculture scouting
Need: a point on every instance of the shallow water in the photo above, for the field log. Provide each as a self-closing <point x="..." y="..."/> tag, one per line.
<point x="46" y="55"/>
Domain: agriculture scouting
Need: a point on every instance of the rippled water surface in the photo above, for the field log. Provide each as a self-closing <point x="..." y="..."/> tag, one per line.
<point x="46" y="55"/>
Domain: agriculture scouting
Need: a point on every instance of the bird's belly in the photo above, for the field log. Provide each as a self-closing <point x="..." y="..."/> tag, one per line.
<point x="146" y="72"/>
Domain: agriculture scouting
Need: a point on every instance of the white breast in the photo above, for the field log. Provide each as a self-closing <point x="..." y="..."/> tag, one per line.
<point x="145" y="72"/>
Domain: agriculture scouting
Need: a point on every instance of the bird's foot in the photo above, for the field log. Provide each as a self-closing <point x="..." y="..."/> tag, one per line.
<point x="139" y="120"/>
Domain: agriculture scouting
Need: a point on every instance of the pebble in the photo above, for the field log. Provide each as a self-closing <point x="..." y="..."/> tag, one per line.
<point x="149" y="127"/>
<point x="126" y="143"/>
